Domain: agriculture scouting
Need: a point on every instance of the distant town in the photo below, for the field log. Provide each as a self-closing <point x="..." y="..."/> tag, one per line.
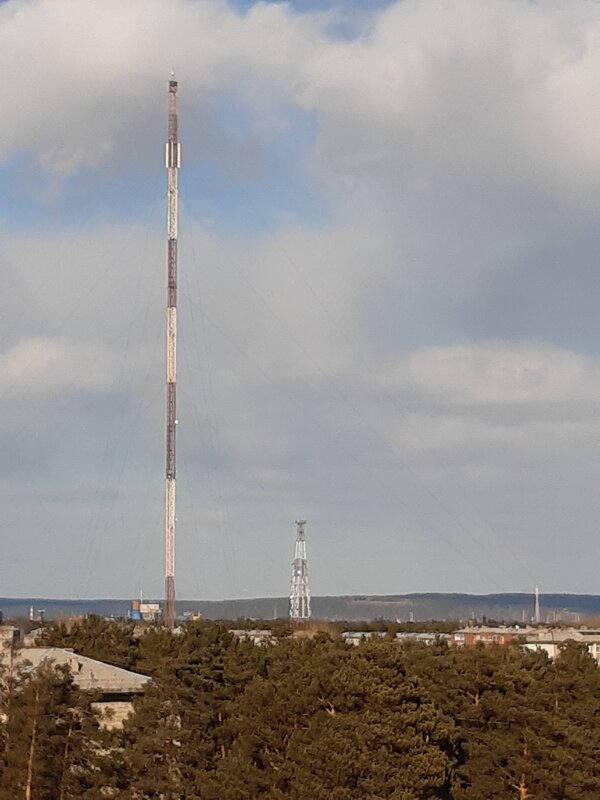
<point x="515" y="607"/>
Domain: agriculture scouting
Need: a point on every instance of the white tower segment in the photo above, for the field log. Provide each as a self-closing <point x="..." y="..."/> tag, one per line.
<point x="300" y="593"/>
<point x="537" y="615"/>
<point x="172" y="162"/>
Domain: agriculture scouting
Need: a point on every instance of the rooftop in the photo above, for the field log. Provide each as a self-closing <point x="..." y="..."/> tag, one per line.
<point x="88" y="674"/>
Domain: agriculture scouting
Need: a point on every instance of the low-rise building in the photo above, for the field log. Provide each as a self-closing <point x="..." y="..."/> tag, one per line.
<point x="31" y="639"/>
<point x="113" y="687"/>
<point x="488" y="635"/>
<point x="257" y="636"/>
<point x="150" y="612"/>
<point x="356" y="637"/>
<point x="551" y="640"/>
<point x="432" y="637"/>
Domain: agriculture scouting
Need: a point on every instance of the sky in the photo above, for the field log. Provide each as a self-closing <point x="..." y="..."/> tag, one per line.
<point x="388" y="295"/>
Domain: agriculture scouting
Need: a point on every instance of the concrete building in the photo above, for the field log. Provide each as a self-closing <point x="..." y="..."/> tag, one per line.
<point x="487" y="635"/>
<point x="114" y="687"/>
<point x="550" y="640"/>
<point x="356" y="637"/>
<point x="256" y="636"/>
<point x="424" y="638"/>
<point x="31" y="639"/>
<point x="150" y="612"/>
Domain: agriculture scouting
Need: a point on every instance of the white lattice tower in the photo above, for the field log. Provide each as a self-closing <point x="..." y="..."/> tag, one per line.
<point x="300" y="592"/>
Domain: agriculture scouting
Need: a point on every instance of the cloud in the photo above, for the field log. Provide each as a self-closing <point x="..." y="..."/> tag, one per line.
<point x="411" y="364"/>
<point x="495" y="376"/>
<point x="54" y="365"/>
<point x="498" y="90"/>
<point x="501" y="90"/>
<point x="90" y="100"/>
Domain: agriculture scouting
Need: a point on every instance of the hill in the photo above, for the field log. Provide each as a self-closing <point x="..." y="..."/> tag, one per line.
<point x="423" y="606"/>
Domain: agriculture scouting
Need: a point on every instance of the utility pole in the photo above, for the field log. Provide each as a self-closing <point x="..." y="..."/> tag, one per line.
<point x="172" y="162"/>
<point x="299" y="593"/>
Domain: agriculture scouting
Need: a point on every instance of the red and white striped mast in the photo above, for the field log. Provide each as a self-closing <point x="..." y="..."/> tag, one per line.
<point x="172" y="161"/>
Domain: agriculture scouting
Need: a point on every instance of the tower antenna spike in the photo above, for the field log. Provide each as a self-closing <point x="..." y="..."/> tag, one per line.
<point x="299" y="592"/>
<point x="172" y="163"/>
<point x="537" y="616"/>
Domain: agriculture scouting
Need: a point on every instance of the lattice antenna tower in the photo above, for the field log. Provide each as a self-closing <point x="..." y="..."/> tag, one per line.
<point x="172" y="162"/>
<point x="300" y="593"/>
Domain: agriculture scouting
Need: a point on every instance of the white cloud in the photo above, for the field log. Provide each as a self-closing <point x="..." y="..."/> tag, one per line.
<point x="47" y="366"/>
<point x="89" y="97"/>
<point x="500" y="89"/>
<point x="325" y="369"/>
<point x="499" y="375"/>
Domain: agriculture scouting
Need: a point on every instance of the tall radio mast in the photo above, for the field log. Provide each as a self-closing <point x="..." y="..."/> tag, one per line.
<point x="172" y="162"/>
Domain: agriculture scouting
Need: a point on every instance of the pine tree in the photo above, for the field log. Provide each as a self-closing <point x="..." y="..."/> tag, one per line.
<point x="48" y="739"/>
<point x="181" y="730"/>
<point x="308" y="720"/>
<point x="514" y="714"/>
<point x="94" y="637"/>
<point x="328" y="721"/>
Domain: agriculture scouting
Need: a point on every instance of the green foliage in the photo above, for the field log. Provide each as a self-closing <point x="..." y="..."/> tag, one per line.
<point x="306" y="719"/>
<point x="50" y="737"/>
<point x="525" y="727"/>
<point x="97" y="638"/>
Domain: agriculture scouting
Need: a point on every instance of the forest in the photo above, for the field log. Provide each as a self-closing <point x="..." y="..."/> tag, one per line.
<point x="304" y="718"/>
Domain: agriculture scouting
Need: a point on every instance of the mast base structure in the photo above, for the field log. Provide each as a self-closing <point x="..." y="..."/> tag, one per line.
<point x="172" y="163"/>
<point x="170" y="602"/>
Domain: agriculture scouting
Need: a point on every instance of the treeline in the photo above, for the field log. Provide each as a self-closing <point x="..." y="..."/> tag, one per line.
<point x="305" y="719"/>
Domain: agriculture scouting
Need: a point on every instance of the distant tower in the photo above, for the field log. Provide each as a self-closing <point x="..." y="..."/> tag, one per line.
<point x="537" y="617"/>
<point x="300" y="593"/>
<point x="172" y="162"/>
